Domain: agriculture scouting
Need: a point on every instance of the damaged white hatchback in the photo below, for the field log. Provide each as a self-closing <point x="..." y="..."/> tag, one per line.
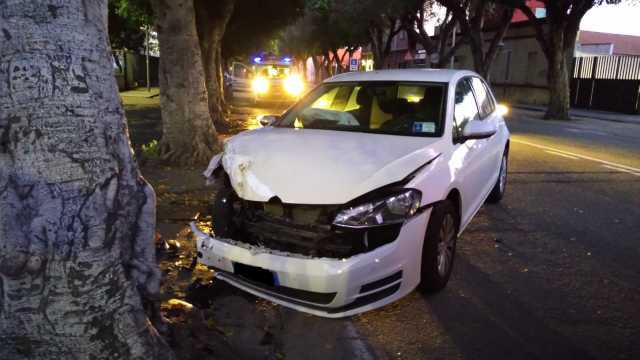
<point x="357" y="194"/>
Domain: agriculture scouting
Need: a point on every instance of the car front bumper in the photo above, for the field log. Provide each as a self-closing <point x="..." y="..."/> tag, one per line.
<point x="322" y="286"/>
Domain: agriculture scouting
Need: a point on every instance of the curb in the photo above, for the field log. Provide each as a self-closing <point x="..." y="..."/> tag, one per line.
<point x="582" y="116"/>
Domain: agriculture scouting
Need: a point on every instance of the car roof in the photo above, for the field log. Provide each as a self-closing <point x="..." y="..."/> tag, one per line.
<point x="427" y="75"/>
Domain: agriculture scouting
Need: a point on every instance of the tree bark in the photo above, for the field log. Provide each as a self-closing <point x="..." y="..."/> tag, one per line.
<point x="381" y="45"/>
<point x="558" y="79"/>
<point x="557" y="44"/>
<point x="77" y="220"/>
<point x="317" y="69"/>
<point x="188" y="133"/>
<point x="211" y="22"/>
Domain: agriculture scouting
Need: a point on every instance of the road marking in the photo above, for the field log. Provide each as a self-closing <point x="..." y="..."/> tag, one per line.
<point x="582" y="131"/>
<point x="560" y="154"/>
<point x="584" y="157"/>
<point x="622" y="170"/>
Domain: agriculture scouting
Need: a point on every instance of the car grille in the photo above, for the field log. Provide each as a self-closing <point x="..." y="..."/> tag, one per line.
<point x="306" y="230"/>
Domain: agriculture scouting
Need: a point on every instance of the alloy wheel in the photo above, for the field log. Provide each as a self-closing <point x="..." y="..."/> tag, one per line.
<point x="446" y="245"/>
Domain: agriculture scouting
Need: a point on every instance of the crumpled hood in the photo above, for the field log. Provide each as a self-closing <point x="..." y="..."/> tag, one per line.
<point x="304" y="166"/>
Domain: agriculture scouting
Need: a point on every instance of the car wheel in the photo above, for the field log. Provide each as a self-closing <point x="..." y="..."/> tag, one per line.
<point x="497" y="193"/>
<point x="439" y="247"/>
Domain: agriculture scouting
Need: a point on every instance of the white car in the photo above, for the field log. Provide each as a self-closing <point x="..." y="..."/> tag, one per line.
<point x="356" y="195"/>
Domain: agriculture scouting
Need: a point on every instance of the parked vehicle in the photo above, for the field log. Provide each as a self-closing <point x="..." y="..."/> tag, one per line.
<point x="357" y="194"/>
<point x="268" y="79"/>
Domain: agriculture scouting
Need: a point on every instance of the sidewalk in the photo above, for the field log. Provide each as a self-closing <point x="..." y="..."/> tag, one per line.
<point x="141" y="92"/>
<point x="588" y="114"/>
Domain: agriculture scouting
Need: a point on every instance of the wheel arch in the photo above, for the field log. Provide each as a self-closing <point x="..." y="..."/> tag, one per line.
<point x="456" y="199"/>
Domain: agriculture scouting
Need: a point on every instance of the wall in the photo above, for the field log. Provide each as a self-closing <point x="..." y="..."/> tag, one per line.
<point x="519" y="72"/>
<point x="134" y="72"/>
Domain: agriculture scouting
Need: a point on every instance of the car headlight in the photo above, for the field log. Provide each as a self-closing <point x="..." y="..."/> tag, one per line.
<point x="293" y="85"/>
<point x="260" y="85"/>
<point x="393" y="209"/>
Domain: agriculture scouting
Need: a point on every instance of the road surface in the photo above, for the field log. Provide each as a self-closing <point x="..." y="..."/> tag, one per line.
<point x="553" y="272"/>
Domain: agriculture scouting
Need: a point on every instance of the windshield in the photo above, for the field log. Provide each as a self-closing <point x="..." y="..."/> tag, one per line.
<point x="410" y="109"/>
<point x="273" y="71"/>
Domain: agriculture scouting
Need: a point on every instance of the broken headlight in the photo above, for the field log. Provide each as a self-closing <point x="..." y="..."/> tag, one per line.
<point x="392" y="209"/>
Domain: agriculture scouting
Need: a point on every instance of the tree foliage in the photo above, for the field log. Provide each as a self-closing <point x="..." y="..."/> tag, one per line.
<point x="476" y="19"/>
<point x="329" y="25"/>
<point x="256" y="22"/>
<point x="127" y="19"/>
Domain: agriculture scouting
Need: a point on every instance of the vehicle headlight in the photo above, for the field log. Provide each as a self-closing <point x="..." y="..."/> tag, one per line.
<point x="293" y="85"/>
<point x="260" y="85"/>
<point x="392" y="209"/>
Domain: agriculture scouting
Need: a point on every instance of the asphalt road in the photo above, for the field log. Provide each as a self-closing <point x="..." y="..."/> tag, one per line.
<point x="553" y="272"/>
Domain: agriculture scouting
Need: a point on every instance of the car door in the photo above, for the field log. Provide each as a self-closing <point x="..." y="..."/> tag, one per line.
<point x="468" y="157"/>
<point x="491" y="149"/>
<point x="241" y="80"/>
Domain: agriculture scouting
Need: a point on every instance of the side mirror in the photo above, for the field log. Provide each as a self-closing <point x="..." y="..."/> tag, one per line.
<point x="478" y="129"/>
<point x="267" y="120"/>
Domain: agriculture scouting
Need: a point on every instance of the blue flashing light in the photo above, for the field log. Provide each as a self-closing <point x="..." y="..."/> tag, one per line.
<point x="257" y="59"/>
<point x="287" y="59"/>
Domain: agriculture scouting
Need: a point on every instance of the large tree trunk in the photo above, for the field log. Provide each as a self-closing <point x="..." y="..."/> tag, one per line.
<point x="188" y="134"/>
<point x="76" y="218"/>
<point x="558" y="43"/>
<point x="211" y="21"/>
<point x="558" y="79"/>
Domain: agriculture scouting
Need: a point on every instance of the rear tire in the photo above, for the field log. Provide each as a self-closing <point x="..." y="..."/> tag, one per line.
<point x="497" y="193"/>
<point x="439" y="247"/>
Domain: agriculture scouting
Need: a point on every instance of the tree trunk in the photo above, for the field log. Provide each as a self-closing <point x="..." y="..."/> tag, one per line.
<point x="304" y="68"/>
<point x="376" y="39"/>
<point x="558" y="43"/>
<point x="77" y="220"/>
<point x="188" y="134"/>
<point x="558" y="79"/>
<point x="211" y="22"/>
<point x="317" y="69"/>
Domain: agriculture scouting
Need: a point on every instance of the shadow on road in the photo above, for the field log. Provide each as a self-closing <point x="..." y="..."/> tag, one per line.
<point x="486" y="321"/>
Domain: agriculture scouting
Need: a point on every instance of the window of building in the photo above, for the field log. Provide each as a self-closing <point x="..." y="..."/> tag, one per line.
<point x="532" y="66"/>
<point x="507" y="65"/>
<point x="541" y="13"/>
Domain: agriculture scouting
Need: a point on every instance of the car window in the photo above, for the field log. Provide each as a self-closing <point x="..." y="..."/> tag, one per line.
<point x="485" y="101"/>
<point x="465" y="106"/>
<point x="397" y="108"/>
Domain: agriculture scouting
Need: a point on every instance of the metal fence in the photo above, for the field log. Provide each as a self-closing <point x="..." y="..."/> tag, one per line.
<point x="610" y="83"/>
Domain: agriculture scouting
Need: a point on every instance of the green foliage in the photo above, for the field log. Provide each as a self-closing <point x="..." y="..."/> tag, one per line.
<point x="328" y="25"/>
<point x="127" y="18"/>
<point x="151" y="151"/>
<point x="255" y="23"/>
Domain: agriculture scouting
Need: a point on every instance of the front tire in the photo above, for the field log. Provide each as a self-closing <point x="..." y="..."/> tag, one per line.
<point x="439" y="247"/>
<point x="497" y="193"/>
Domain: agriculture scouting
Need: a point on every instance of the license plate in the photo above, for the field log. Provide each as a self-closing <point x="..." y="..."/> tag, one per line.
<point x="256" y="274"/>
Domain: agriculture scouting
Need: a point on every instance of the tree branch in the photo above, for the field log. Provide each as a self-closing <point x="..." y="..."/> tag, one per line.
<point x="537" y="25"/>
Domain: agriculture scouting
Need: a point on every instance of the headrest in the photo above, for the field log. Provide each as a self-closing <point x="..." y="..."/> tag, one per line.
<point x="363" y="98"/>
